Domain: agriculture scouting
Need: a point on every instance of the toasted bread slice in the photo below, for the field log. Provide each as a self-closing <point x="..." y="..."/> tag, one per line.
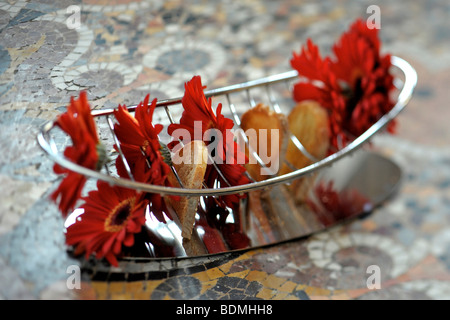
<point x="258" y="118"/>
<point x="190" y="164"/>
<point x="308" y="121"/>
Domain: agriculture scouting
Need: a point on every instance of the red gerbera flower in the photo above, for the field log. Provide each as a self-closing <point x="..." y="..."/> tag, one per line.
<point x="366" y="72"/>
<point x="198" y="117"/>
<point x="86" y="150"/>
<point x="111" y="218"/>
<point x="355" y="87"/>
<point x="200" y="121"/>
<point x="143" y="151"/>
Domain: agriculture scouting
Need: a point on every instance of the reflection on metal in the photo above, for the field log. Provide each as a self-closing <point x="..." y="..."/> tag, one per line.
<point x="348" y="183"/>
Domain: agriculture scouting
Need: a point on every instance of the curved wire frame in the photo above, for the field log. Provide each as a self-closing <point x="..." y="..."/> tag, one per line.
<point x="406" y="89"/>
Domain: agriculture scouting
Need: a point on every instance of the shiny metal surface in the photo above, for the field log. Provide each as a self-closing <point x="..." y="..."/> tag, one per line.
<point x="364" y="180"/>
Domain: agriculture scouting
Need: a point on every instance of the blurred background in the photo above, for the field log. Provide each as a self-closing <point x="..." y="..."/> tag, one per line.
<point x="118" y="51"/>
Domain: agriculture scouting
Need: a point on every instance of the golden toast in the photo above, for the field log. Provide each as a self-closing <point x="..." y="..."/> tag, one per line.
<point x="271" y="145"/>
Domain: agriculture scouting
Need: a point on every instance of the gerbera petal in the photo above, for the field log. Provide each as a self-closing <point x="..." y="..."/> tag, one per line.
<point x="307" y="91"/>
<point x="195" y="104"/>
<point x="127" y="128"/>
<point x="112" y="260"/>
<point x="68" y="192"/>
<point x="79" y="124"/>
<point x="129" y="240"/>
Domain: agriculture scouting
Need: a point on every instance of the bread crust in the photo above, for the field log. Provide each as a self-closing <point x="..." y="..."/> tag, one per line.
<point x="190" y="164"/>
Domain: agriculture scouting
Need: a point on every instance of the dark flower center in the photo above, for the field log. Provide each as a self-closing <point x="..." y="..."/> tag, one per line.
<point x="353" y="95"/>
<point x="119" y="216"/>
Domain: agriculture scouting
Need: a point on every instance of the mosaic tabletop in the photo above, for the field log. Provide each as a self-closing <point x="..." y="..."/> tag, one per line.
<point x="117" y="51"/>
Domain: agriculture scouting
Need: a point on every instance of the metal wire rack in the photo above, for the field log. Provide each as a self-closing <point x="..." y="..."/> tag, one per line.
<point x="264" y="86"/>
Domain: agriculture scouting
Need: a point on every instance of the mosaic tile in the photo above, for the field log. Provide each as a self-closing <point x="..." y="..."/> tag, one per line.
<point x="125" y="49"/>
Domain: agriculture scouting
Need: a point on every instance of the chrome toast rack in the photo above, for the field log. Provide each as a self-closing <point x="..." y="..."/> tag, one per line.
<point x="274" y="91"/>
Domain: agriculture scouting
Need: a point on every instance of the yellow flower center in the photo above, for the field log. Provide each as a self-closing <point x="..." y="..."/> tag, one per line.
<point x="145" y="146"/>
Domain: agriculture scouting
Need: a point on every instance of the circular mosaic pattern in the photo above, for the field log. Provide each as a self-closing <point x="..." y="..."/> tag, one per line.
<point x="85" y="37"/>
<point x="44" y="55"/>
<point x="102" y="78"/>
<point x="332" y="250"/>
<point x="183" y="59"/>
<point x="355" y="265"/>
